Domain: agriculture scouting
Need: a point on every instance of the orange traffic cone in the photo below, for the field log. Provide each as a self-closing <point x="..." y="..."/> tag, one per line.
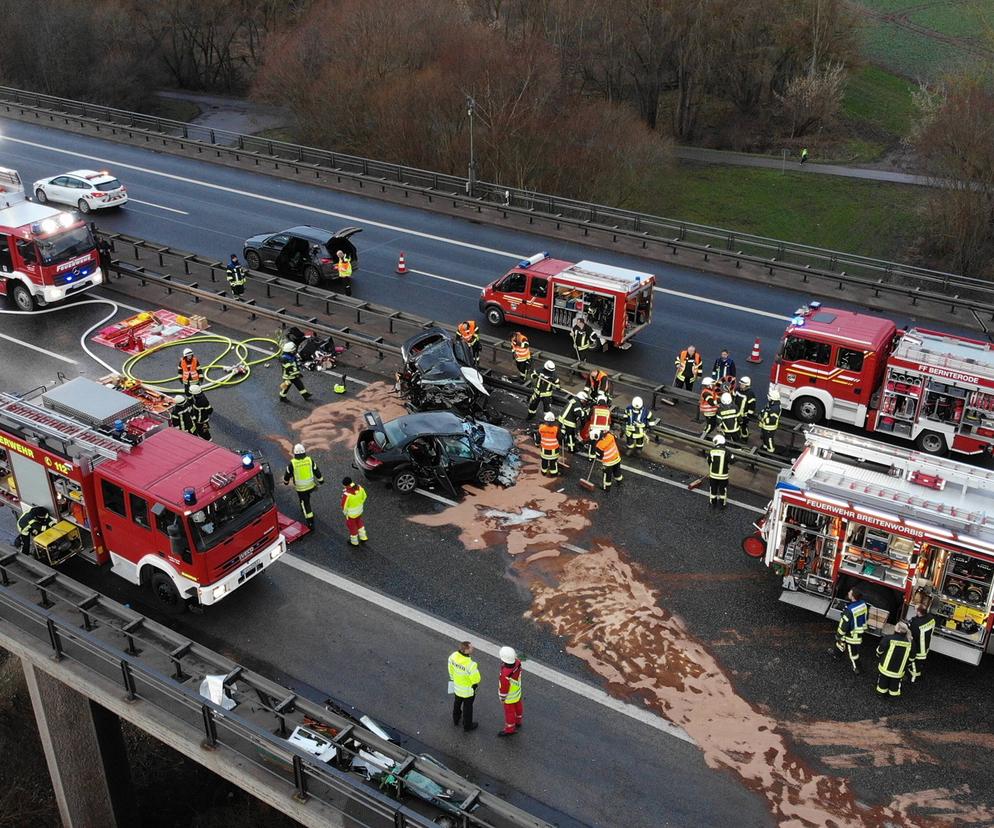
<point x="754" y="357"/>
<point x="401" y="266"/>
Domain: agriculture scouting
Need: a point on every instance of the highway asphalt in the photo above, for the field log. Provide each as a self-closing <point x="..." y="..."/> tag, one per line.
<point x="210" y="210"/>
<point x="642" y="593"/>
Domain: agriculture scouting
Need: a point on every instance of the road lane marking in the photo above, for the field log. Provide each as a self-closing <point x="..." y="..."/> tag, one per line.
<point x="39" y="349"/>
<point x="158" y="206"/>
<point x="454" y="633"/>
<point x="677" y="484"/>
<point x="381" y="225"/>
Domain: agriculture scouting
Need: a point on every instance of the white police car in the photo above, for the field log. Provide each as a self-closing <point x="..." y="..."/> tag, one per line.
<point x="85" y="190"/>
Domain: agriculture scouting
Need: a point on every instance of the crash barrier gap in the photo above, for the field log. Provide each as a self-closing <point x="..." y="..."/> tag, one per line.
<point x="149" y="675"/>
<point x="827" y="272"/>
<point x="140" y="250"/>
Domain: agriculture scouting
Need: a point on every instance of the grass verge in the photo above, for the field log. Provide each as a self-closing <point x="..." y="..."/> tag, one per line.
<point x="866" y="217"/>
<point x="876" y="97"/>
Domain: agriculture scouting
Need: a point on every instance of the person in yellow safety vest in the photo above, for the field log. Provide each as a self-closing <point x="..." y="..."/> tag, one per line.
<point x="728" y="417"/>
<point x="353" y="500"/>
<point x="745" y="406"/>
<point x="637" y="419"/>
<point x="344" y="268"/>
<point x="548" y="434"/>
<point x="509" y="691"/>
<point x="572" y="416"/>
<point x="769" y="422"/>
<point x="921" y="629"/>
<point x="688" y="368"/>
<point x="471" y="336"/>
<point x="606" y="448"/>
<point x="719" y="461"/>
<point x="544" y="384"/>
<point x="464" y="678"/>
<point x="849" y="632"/>
<point x="306" y="477"/>
<point x="522" y="352"/>
<point x="189" y="369"/>
<point x="708" y="406"/>
<point x="893" y="652"/>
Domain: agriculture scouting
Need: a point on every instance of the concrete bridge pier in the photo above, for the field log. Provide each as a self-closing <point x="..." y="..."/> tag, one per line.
<point x="85" y="752"/>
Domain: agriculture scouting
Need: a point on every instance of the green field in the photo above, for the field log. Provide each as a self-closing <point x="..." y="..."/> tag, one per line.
<point x="866" y="217"/>
<point x="881" y="99"/>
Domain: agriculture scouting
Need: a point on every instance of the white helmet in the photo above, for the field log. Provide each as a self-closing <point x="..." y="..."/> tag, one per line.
<point x="549" y="417"/>
<point x="507" y="655"/>
<point x="774" y="395"/>
<point x="636" y="402"/>
<point x="195" y="389"/>
<point x="595" y="433"/>
<point x="719" y="440"/>
<point x="188" y="352"/>
<point x="179" y="398"/>
<point x="601" y="397"/>
<point x="726" y="398"/>
<point x="550" y="365"/>
<point x="745" y="382"/>
<point x="707" y="381"/>
<point x="299" y="449"/>
<point x="583" y="396"/>
<point x="289" y="347"/>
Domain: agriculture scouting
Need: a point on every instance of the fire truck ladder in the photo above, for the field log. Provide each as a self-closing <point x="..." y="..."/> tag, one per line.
<point x="19" y="413"/>
<point x="959" y="478"/>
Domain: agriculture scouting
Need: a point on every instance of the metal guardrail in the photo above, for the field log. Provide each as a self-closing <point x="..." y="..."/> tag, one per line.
<point x="214" y="270"/>
<point x="835" y="267"/>
<point x="152" y="665"/>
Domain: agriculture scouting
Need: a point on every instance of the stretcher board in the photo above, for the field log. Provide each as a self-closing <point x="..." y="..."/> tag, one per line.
<point x="138" y="332"/>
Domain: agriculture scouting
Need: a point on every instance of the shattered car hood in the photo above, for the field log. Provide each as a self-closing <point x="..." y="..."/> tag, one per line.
<point x="496" y="439"/>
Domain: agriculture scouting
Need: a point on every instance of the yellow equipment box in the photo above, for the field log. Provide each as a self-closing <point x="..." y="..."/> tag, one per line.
<point x="58" y="542"/>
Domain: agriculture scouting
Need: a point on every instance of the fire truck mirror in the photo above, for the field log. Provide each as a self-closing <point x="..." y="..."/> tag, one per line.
<point x="267" y="476"/>
<point x="174" y="531"/>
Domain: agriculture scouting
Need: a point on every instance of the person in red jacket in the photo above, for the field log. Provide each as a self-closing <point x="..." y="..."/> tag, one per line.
<point x="509" y="691"/>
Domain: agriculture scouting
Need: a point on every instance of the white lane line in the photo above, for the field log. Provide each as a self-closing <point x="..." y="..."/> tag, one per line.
<point x="158" y="206"/>
<point x="38" y="349"/>
<point x="450" y="631"/>
<point x="381" y="225"/>
<point x="677" y="484"/>
<point x="270" y="199"/>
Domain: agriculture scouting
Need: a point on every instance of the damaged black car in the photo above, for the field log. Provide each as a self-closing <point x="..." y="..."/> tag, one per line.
<point x="440" y="374"/>
<point x="435" y="450"/>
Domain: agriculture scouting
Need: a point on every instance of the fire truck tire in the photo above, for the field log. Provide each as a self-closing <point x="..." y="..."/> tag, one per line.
<point x="40" y="195"/>
<point x="931" y="442"/>
<point x="495" y="316"/>
<point x="166" y="595"/>
<point x="808" y="410"/>
<point x="84" y="208"/>
<point x="252" y="260"/>
<point x="21" y="295"/>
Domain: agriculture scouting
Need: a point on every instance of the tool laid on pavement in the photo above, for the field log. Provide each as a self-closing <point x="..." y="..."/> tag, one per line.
<point x="694" y="484"/>
<point x="586" y="483"/>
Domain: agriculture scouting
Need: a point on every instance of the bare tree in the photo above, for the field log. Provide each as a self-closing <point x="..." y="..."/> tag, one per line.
<point x="811" y="101"/>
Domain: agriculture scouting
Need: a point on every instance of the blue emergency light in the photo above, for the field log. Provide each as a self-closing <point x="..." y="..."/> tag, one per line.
<point x="190" y="496"/>
<point x="524" y="263"/>
<point x="248" y="460"/>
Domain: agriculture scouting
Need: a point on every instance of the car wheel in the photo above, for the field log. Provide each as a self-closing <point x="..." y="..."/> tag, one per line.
<point x="487" y="476"/>
<point x="495" y="316"/>
<point x="808" y="410"/>
<point x="83" y="206"/>
<point x="40" y="195"/>
<point x="22" y="296"/>
<point x="405" y="481"/>
<point x="252" y="260"/>
<point x="312" y="276"/>
<point x="166" y="595"/>
<point x="931" y="442"/>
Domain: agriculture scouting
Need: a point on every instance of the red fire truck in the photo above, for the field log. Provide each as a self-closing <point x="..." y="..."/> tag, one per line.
<point x="903" y="527"/>
<point x="166" y="510"/>
<point x="932" y="388"/>
<point x="550" y="294"/>
<point x="46" y="254"/>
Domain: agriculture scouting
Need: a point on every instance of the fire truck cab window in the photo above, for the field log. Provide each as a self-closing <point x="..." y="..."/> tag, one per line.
<point x="512" y="283"/>
<point x="849" y="360"/>
<point x="6" y="263"/>
<point x="539" y="287"/>
<point x="139" y="510"/>
<point x="27" y="251"/>
<point x="164" y="519"/>
<point x="798" y="348"/>
<point x="113" y="498"/>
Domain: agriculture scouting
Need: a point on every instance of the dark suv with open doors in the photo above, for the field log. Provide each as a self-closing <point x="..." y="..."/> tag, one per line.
<point x="305" y="253"/>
